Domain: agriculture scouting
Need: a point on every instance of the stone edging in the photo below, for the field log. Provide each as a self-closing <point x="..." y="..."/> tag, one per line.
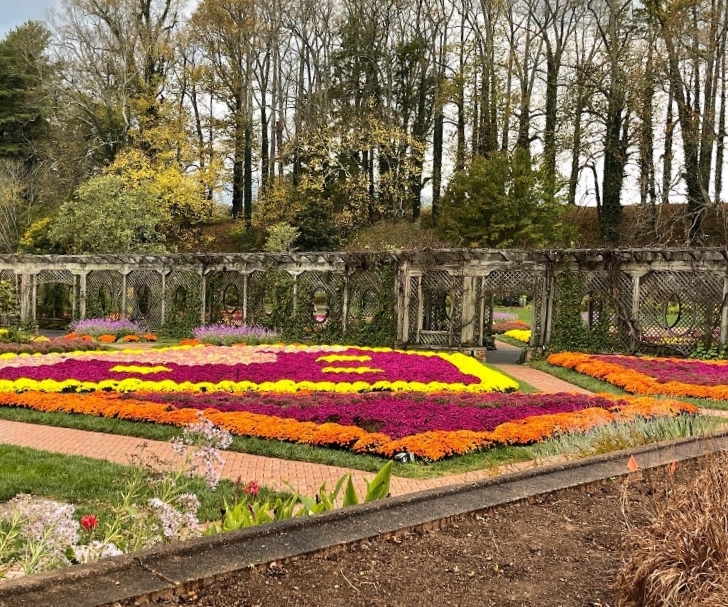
<point x="176" y="568"/>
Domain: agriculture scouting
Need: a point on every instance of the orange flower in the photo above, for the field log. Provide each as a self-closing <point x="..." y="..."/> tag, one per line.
<point x="433" y="445"/>
<point x="631" y="380"/>
<point x="189" y="342"/>
<point x="150" y="337"/>
<point x="107" y="339"/>
<point x="130" y="338"/>
<point x="71" y="336"/>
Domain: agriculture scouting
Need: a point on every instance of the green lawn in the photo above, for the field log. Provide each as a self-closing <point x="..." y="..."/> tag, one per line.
<point x="91" y="484"/>
<point x="510" y="340"/>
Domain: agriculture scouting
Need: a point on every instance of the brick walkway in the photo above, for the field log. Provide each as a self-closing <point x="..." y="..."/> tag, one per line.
<point x="543" y="382"/>
<point x="268" y="471"/>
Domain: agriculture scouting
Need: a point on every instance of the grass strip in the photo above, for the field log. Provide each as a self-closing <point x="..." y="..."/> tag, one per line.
<point x="92" y="485"/>
<point x="578" y="379"/>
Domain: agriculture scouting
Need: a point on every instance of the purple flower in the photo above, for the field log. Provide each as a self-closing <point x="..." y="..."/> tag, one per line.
<point x="101" y="326"/>
<point x="223" y="334"/>
<point x="395" y="414"/>
<point x="666" y="370"/>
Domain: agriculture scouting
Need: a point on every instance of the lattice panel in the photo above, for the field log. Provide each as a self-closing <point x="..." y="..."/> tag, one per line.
<point x="55" y="298"/>
<point x="322" y="293"/>
<point x="103" y="294"/>
<point x="365" y="295"/>
<point x="182" y="294"/>
<point x="257" y="313"/>
<point x="678" y="309"/>
<point x="412" y="312"/>
<point x="441" y="309"/>
<point x="225" y="294"/>
<point x="503" y="283"/>
<point x="603" y="300"/>
<point x="144" y="298"/>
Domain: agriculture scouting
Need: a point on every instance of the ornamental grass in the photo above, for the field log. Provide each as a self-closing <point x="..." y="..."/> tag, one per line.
<point x="680" y="557"/>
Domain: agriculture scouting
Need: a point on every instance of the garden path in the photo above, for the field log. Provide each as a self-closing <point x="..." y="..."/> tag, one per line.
<point x="268" y="471"/>
<point x="272" y="472"/>
<point x="506" y="358"/>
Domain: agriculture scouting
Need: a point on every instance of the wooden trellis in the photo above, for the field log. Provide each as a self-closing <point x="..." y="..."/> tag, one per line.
<point x="441" y="298"/>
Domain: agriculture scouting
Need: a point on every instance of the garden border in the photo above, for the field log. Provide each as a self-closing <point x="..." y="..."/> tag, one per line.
<point x="179" y="568"/>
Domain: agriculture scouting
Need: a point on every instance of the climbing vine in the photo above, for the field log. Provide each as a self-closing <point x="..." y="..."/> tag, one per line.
<point x="571" y="332"/>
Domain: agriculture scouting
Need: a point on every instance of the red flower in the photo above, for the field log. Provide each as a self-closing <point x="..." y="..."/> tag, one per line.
<point x="251" y="488"/>
<point x="89" y="522"/>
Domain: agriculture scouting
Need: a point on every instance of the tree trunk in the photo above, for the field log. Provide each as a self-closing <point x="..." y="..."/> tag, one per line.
<point x="667" y="159"/>
<point x="549" y="134"/>
<point x="238" y="154"/>
<point x="576" y="148"/>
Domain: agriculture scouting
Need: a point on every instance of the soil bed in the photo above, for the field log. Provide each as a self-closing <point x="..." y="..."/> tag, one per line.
<point x="561" y="550"/>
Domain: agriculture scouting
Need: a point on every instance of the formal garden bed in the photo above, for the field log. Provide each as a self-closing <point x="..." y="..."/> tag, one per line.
<point x="370" y="401"/>
<point x="674" y="377"/>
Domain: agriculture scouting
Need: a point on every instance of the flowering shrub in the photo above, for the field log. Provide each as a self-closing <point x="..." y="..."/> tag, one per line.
<point x="519" y="335"/>
<point x="646" y="375"/>
<point x="510" y="325"/>
<point x="100" y="326"/>
<point x="227" y="335"/>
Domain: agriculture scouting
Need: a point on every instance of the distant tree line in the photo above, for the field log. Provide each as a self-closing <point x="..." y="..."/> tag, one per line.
<point x="331" y="115"/>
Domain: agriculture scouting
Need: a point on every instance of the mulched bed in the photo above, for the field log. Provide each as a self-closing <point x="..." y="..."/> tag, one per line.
<point x="560" y="550"/>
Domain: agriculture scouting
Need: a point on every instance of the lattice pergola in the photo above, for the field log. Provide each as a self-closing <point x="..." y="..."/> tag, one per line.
<point x="441" y="298"/>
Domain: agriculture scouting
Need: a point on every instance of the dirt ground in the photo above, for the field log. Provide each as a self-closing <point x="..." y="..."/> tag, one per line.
<point x="562" y="550"/>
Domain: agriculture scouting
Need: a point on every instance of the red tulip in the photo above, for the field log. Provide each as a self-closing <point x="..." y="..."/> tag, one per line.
<point x="89" y="522"/>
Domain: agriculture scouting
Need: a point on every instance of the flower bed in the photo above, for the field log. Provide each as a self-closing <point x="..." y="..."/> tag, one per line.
<point x="647" y="375"/>
<point x="109" y="331"/>
<point x="509" y="325"/>
<point x="514" y="420"/>
<point x="259" y="368"/>
<point x="368" y="400"/>
<point x="519" y="335"/>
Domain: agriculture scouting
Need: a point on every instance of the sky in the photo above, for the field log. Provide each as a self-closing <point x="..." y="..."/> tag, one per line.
<point x="17" y="12"/>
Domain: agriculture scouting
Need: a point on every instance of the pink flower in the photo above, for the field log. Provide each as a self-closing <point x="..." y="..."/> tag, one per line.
<point x="251" y="488"/>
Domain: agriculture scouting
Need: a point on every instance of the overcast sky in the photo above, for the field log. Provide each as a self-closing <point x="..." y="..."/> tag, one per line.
<point x="17" y="12"/>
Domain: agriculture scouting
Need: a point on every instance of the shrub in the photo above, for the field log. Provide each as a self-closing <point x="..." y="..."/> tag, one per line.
<point x="498" y="201"/>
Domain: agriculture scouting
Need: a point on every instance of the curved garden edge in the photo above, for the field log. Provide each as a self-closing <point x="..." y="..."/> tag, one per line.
<point x="177" y="568"/>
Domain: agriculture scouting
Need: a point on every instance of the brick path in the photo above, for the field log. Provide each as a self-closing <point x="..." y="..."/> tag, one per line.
<point x="543" y="382"/>
<point x="271" y="472"/>
<point x="268" y="471"/>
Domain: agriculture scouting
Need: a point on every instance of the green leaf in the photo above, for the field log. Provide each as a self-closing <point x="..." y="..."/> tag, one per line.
<point x="378" y="488"/>
<point x="350" y="496"/>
